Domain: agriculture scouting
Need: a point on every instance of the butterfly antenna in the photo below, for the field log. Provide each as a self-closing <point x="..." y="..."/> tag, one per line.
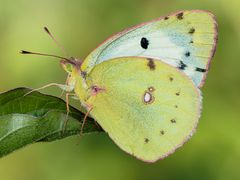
<point x="42" y="54"/>
<point x="55" y="40"/>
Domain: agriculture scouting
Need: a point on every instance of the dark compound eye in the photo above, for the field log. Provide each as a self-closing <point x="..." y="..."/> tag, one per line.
<point x="144" y="43"/>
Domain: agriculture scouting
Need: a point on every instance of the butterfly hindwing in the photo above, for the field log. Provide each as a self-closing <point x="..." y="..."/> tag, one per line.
<point x="185" y="40"/>
<point x="147" y="107"/>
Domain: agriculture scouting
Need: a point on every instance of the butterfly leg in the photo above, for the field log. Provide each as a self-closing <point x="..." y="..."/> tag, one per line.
<point x="85" y="119"/>
<point x="68" y="109"/>
<point x="66" y="83"/>
<point x="61" y="86"/>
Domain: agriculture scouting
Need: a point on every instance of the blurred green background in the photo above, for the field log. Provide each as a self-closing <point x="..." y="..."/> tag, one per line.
<point x="212" y="153"/>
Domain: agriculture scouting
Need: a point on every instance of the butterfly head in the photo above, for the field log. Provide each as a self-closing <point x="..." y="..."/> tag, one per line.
<point x="73" y="68"/>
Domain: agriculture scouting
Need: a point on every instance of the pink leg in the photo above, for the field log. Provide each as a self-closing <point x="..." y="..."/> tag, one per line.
<point x="68" y="109"/>
<point x="84" y="120"/>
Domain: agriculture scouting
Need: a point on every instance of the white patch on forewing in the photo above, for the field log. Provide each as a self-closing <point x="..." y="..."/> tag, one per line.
<point x="160" y="47"/>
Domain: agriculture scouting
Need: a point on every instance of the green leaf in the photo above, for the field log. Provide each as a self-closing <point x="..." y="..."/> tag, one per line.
<point x="26" y="119"/>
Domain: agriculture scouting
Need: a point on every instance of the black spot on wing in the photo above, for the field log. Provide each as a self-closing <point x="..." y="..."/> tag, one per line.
<point x="166" y="18"/>
<point x="162" y="132"/>
<point x="182" y="66"/>
<point x="180" y="15"/>
<point x="151" y="64"/>
<point x="191" y="31"/>
<point x="200" y="69"/>
<point x="144" y="43"/>
<point x="187" y="54"/>
<point x="146" y="140"/>
<point x="173" y="120"/>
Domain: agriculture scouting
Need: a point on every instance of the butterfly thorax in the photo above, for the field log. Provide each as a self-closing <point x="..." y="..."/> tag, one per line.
<point x="81" y="88"/>
<point x="85" y="88"/>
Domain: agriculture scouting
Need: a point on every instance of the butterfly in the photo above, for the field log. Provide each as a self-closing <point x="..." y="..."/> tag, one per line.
<point x="142" y="85"/>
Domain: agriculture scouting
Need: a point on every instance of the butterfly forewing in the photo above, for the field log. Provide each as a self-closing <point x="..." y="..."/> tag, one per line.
<point x="185" y="40"/>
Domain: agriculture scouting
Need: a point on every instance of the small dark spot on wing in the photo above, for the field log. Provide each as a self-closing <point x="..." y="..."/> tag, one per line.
<point x="176" y="106"/>
<point x="187" y="54"/>
<point x="173" y="121"/>
<point x="200" y="69"/>
<point x="192" y="30"/>
<point x="146" y="140"/>
<point x="162" y="132"/>
<point x="166" y="18"/>
<point x="178" y="93"/>
<point x="180" y="15"/>
<point x="182" y="66"/>
<point x="151" y="64"/>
